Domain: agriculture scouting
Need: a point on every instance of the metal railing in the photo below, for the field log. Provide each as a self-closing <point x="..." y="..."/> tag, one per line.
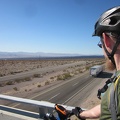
<point x="44" y="106"/>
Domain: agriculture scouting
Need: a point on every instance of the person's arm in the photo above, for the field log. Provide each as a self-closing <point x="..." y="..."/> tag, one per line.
<point x="92" y="113"/>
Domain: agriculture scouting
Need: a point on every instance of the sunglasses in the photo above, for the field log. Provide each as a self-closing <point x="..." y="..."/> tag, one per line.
<point x="100" y="44"/>
<point x="108" y="34"/>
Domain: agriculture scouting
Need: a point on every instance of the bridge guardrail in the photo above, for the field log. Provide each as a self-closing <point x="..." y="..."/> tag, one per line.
<point x="44" y="106"/>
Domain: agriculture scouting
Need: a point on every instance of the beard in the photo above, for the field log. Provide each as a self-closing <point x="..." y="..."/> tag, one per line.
<point x="109" y="65"/>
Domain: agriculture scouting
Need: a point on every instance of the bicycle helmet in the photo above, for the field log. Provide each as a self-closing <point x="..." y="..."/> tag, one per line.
<point x="109" y="21"/>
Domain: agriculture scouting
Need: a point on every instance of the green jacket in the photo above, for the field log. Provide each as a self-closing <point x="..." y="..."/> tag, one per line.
<point x="105" y="112"/>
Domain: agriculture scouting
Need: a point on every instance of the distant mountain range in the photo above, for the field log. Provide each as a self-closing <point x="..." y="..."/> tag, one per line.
<point x="34" y="55"/>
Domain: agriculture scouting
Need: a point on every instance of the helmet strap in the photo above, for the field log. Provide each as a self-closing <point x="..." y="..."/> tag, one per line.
<point x="111" y="55"/>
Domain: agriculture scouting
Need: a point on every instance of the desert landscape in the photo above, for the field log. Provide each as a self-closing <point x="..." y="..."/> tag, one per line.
<point x="28" y="86"/>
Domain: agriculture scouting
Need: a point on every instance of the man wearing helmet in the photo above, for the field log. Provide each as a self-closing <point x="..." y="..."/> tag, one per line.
<point x="108" y="29"/>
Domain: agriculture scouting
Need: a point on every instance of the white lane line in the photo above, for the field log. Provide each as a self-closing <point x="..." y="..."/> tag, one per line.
<point x="76" y="93"/>
<point x="49" y="99"/>
<point x="75" y="84"/>
<point x="54" y="96"/>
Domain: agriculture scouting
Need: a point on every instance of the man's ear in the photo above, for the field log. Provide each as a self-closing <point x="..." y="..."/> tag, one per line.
<point x="106" y="40"/>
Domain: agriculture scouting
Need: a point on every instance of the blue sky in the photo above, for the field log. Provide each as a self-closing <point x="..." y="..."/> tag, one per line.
<point x="51" y="26"/>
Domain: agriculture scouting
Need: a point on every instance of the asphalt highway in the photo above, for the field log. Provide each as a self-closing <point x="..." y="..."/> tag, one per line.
<point x="65" y="92"/>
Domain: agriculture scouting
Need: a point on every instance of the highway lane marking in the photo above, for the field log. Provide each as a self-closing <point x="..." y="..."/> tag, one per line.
<point x="56" y="86"/>
<point x="49" y="99"/>
<point x="54" y="96"/>
<point x="50" y="89"/>
<point x="75" y="84"/>
<point x="76" y="93"/>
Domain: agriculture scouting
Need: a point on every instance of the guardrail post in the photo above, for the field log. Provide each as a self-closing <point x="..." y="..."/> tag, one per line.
<point x="44" y="110"/>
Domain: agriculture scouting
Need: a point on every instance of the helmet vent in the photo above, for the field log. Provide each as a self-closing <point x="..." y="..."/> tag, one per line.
<point x="113" y="21"/>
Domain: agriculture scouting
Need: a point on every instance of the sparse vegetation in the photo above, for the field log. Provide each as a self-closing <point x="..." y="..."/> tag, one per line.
<point x="67" y="75"/>
<point x="88" y="67"/>
<point x="59" y="77"/>
<point x="23" y="79"/>
<point x="64" y="76"/>
<point x="39" y="86"/>
<point x="9" y="83"/>
<point x="28" y="79"/>
<point x="25" y="90"/>
<point x="47" y="82"/>
<point x="51" y="77"/>
<point x="8" y="67"/>
<point x="1" y="75"/>
<point x="37" y="75"/>
<point x="13" y="67"/>
<point x="15" y="88"/>
<point x="18" y="80"/>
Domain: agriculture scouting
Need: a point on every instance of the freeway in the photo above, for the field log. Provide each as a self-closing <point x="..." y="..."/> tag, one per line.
<point x="65" y="92"/>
